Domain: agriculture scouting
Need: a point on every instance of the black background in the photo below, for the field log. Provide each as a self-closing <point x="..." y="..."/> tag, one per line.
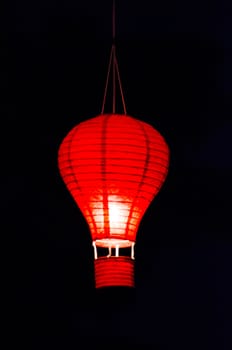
<point x="175" y="64"/>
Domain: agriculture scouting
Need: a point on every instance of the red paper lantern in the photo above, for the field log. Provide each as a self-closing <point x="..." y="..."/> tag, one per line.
<point x="113" y="165"/>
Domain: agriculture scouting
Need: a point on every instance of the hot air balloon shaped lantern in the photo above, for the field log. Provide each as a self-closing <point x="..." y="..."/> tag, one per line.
<point x="113" y="165"/>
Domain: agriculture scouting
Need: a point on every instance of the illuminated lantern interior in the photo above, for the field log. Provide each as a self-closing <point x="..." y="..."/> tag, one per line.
<point x="113" y="165"/>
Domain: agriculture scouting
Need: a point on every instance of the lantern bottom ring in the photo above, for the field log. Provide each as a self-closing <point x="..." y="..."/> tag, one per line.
<point x="113" y="243"/>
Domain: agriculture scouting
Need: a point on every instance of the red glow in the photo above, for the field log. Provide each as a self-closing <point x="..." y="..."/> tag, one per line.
<point x="113" y="165"/>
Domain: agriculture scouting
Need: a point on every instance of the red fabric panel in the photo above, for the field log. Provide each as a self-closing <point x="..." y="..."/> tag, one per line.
<point x="113" y="165"/>
<point x="114" y="271"/>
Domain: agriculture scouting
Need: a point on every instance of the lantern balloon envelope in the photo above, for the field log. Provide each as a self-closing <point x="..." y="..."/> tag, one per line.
<point x="113" y="165"/>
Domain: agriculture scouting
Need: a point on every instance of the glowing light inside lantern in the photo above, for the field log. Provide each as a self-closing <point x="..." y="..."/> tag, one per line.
<point x="115" y="214"/>
<point x="118" y="215"/>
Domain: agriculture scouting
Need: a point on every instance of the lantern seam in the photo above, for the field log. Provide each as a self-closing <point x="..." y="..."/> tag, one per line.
<point x="142" y="177"/>
<point x="103" y="174"/>
<point x="76" y="180"/>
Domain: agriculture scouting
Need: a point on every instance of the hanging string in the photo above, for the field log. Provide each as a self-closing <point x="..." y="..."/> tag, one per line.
<point x="114" y="53"/>
<point x="115" y="72"/>
<point x="114" y="81"/>
<point x="113" y="21"/>
<point x="120" y="85"/>
<point x="107" y="81"/>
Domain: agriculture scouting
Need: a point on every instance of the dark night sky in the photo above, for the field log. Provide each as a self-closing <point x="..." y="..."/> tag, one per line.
<point x="175" y="64"/>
